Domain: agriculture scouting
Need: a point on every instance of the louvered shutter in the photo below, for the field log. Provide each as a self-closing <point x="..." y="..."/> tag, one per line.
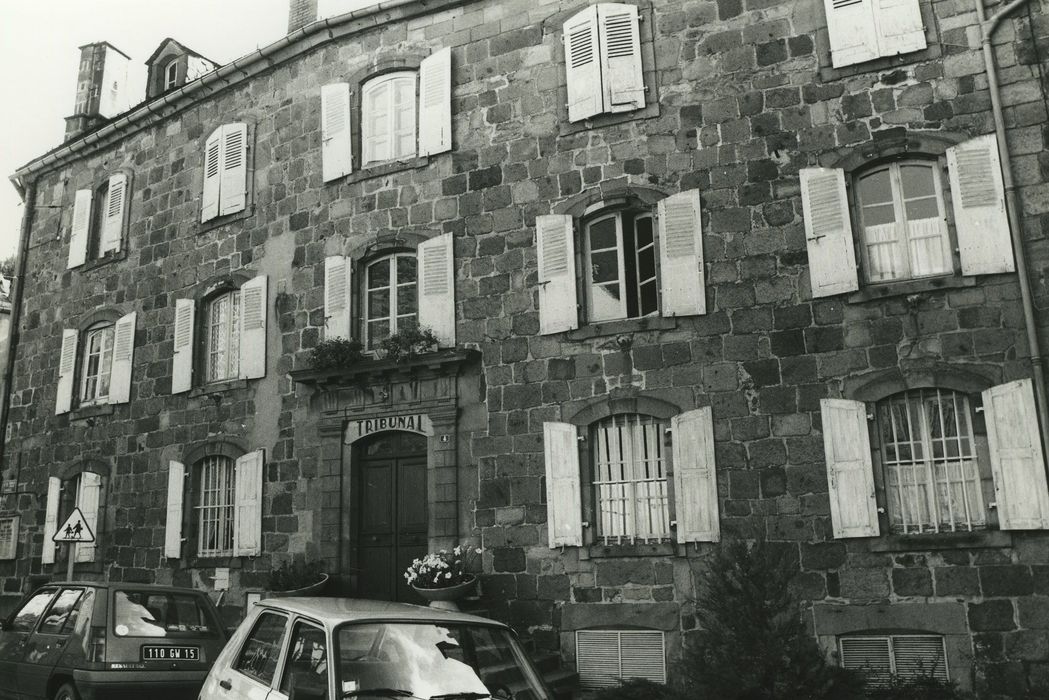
<point x="247" y="527"/>
<point x="623" y="80"/>
<point x="872" y="655"/>
<point x="173" y="523"/>
<point x="435" y="103"/>
<point x="116" y="204"/>
<point x="9" y="537"/>
<point x="123" y="356"/>
<point x="437" y="288"/>
<point x="850" y="472"/>
<point x="336" y="297"/>
<point x="564" y="507"/>
<point x="66" y="369"/>
<point x="54" y="491"/>
<point x="828" y="232"/>
<point x="88" y="503"/>
<point x="900" y="26"/>
<point x="80" y="229"/>
<point x="1017" y="461"/>
<point x="233" y="190"/>
<point x="853" y="35"/>
<point x="336" y="138"/>
<point x="606" y="658"/>
<point x="209" y="207"/>
<point x="978" y="195"/>
<point x="920" y="656"/>
<point x="583" y="66"/>
<point x="681" y="255"/>
<point x="695" y="477"/>
<point x="253" y="305"/>
<point x="555" y="243"/>
<point x="182" y="364"/>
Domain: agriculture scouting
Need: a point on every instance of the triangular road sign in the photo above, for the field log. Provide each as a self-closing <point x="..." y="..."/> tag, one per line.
<point x="74" y="529"/>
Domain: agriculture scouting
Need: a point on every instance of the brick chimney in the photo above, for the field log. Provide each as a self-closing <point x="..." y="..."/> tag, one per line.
<point x="101" y="87"/>
<point x="301" y="13"/>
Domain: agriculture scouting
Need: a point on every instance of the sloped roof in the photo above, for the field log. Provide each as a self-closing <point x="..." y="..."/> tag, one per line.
<point x="180" y="46"/>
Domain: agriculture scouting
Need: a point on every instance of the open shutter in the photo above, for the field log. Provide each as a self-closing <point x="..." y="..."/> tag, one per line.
<point x="88" y="502"/>
<point x="336" y="141"/>
<point x="978" y="195"/>
<point x="116" y="204"/>
<point x="182" y="364"/>
<point x="624" y="82"/>
<point x="900" y="26"/>
<point x="1017" y="461"/>
<point x="80" y="229"/>
<point x="695" y="477"/>
<point x="435" y="103"/>
<point x="583" y="66"/>
<point x="437" y="288"/>
<point x="54" y="491"/>
<point x="336" y="297"/>
<point x="681" y="255"/>
<point x="247" y="527"/>
<point x="173" y="524"/>
<point x="209" y="207"/>
<point x="557" y="279"/>
<point x="564" y="506"/>
<point x="828" y="232"/>
<point x="234" y="187"/>
<point x="853" y="34"/>
<point x="850" y="473"/>
<point x="9" y="535"/>
<point x="66" y="367"/>
<point x="123" y="355"/>
<point x="253" y="304"/>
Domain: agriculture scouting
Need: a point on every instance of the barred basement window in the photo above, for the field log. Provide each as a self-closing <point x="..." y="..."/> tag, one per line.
<point x="630" y="479"/>
<point x="605" y="658"/>
<point x="216" y="507"/>
<point x="904" y="656"/>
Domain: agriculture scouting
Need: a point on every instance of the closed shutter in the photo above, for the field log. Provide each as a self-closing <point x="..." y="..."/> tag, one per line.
<point x="871" y="655"/>
<point x="182" y="364"/>
<point x="564" y="507"/>
<point x="828" y="232"/>
<point x="681" y="255"/>
<point x="558" y="307"/>
<point x="623" y="80"/>
<point x="123" y="356"/>
<point x="9" y="538"/>
<point x="247" y="527"/>
<point x="695" y="477"/>
<point x="173" y="523"/>
<point x="583" y="66"/>
<point x="336" y="140"/>
<point x="209" y="207"/>
<point x="900" y="26"/>
<point x="850" y="473"/>
<point x="233" y="190"/>
<point x="978" y="196"/>
<point x="336" y="297"/>
<point x="437" y="288"/>
<point x="435" y="103"/>
<point x="607" y="657"/>
<point x="1017" y="461"/>
<point x="88" y="503"/>
<point x="80" y="229"/>
<point x="54" y="491"/>
<point x="920" y="656"/>
<point x="66" y="369"/>
<point x="116" y="204"/>
<point x="853" y="34"/>
<point x="253" y="306"/>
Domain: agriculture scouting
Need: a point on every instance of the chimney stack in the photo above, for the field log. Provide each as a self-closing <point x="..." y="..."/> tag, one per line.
<point x="101" y="88"/>
<point x="301" y="13"/>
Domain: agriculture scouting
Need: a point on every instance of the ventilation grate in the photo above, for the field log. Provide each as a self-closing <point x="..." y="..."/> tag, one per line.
<point x="606" y="657"/>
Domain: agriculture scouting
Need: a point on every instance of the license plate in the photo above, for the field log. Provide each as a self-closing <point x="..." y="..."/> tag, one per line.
<point x="171" y="653"/>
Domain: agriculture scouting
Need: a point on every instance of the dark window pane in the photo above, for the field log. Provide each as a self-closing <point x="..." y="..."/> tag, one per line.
<point x="925" y="208"/>
<point x="306" y="667"/>
<point x="917" y="181"/>
<point x="605" y="266"/>
<point x="646" y="264"/>
<point x="649" y="298"/>
<point x="406" y="268"/>
<point x="643" y="226"/>
<point x="61" y="610"/>
<point x="378" y="304"/>
<point x="379" y="274"/>
<point x="146" y="614"/>
<point x="603" y="234"/>
<point x="406" y="301"/>
<point x="878" y="215"/>
<point x="258" y="657"/>
<point x="25" y="618"/>
<point x="875" y="188"/>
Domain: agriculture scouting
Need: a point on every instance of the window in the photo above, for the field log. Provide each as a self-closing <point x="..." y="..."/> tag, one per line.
<point x="605" y="658"/>
<point x="81" y="491"/>
<point x="390" y="297"/>
<point x="215" y="528"/>
<point x="222" y="337"/>
<point x="903" y="656"/>
<point x="306" y="665"/>
<point x="630" y="479"/>
<point x="9" y="537"/>
<point x="25" y="619"/>
<point x="225" y="188"/>
<point x="101" y="370"/>
<point x="99" y="221"/>
<point x="388" y="117"/>
<point x="603" y="69"/>
<point x="621" y="266"/>
<point x="161" y="614"/>
<point x="261" y="651"/>
<point x="96" y="367"/>
<point x="171" y="74"/>
<point x="862" y="30"/>
<point x="62" y="614"/>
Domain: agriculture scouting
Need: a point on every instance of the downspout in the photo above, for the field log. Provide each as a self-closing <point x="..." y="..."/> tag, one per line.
<point x="987" y="29"/>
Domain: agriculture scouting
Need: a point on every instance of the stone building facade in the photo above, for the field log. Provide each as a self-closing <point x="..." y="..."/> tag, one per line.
<point x="795" y="318"/>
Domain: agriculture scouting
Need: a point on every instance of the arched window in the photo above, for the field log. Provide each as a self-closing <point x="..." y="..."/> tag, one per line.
<point x="171" y="74"/>
<point x="388" y="117"/>
<point x="630" y="467"/>
<point x="390" y="297"/>
<point x="621" y="269"/>
<point x="222" y="337"/>
<point x="215" y="476"/>
<point x="96" y="364"/>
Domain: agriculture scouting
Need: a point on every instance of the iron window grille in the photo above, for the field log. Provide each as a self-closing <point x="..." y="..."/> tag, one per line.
<point x="630" y="470"/>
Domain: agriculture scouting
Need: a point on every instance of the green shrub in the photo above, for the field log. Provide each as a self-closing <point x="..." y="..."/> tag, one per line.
<point x="408" y="343"/>
<point x="638" y="689"/>
<point x="923" y="688"/>
<point x="335" y="353"/>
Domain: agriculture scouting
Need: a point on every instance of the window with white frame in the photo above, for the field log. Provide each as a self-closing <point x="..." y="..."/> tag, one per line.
<point x="621" y="270"/>
<point x="222" y="337"/>
<point x="215" y="507"/>
<point x="390" y="297"/>
<point x="630" y="479"/>
<point x="99" y="221"/>
<point x="171" y="74"/>
<point x="81" y="491"/>
<point x="388" y="117"/>
<point x="902" y="656"/>
<point x="96" y="364"/>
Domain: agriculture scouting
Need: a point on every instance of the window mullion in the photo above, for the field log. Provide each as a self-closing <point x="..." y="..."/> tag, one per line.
<point x="912" y="442"/>
<point x="927" y="463"/>
<point x="621" y="258"/>
<point x="946" y="463"/>
<point x="902" y="228"/>
<point x="393" y="295"/>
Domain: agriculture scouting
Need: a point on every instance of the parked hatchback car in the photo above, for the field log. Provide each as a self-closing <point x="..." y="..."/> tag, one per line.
<point x="334" y="648"/>
<point x="108" y="641"/>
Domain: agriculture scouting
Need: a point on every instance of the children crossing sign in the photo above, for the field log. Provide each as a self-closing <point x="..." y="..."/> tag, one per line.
<point x="74" y="529"/>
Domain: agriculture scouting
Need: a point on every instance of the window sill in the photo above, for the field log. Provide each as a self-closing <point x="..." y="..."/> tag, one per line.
<point x="220" y="221"/>
<point x="629" y="325"/>
<point x="649" y="111"/>
<point x="216" y="562"/>
<point x="112" y="256"/>
<point x="886" y="290"/>
<point x="378" y="169"/>
<point x="650" y="549"/>
<point x="981" y="539"/>
<point x="91" y="411"/>
<point x="218" y="387"/>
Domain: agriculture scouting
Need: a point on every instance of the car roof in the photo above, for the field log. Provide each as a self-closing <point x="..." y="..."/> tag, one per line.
<point x="333" y="611"/>
<point x="122" y="585"/>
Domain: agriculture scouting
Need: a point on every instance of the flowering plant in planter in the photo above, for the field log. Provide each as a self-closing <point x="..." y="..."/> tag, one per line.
<point x="443" y="569"/>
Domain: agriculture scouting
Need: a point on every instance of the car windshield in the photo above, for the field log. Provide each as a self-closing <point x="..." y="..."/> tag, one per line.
<point x="433" y="661"/>
<point x="154" y="614"/>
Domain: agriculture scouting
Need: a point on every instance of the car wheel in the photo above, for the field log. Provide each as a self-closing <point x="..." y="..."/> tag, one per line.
<point x="67" y="691"/>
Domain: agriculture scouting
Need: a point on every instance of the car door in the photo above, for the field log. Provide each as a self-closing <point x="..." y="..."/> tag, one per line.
<point x="306" y="673"/>
<point x="48" y="641"/>
<point x="251" y="673"/>
<point x="13" y="637"/>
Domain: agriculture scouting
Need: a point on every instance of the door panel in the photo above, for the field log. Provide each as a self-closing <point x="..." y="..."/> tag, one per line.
<point x="13" y="639"/>
<point x="45" y="645"/>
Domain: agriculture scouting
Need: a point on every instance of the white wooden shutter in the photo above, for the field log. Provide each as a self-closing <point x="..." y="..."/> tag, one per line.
<point x="247" y="527"/>
<point x="437" y="287"/>
<point x="88" y="503"/>
<point x="337" y="290"/>
<point x="435" y="103"/>
<point x="978" y="195"/>
<point x="828" y="232"/>
<point x="116" y="205"/>
<point x="209" y="207"/>
<point x="681" y="255"/>
<point x="9" y="537"/>
<point x="853" y="34"/>
<point x="234" y="187"/>
<point x="900" y="26"/>
<point x="80" y="229"/>
<point x="622" y="77"/>
<point x="173" y="524"/>
<point x="850" y="473"/>
<point x="583" y="66"/>
<point x="695" y="477"/>
<point x="66" y="370"/>
<point x="253" y="306"/>
<point x="555" y="247"/>
<point x="123" y="356"/>
<point x="336" y="141"/>
<point x="182" y="364"/>
<point x="54" y="492"/>
<point x="564" y="506"/>
<point x="1017" y="461"/>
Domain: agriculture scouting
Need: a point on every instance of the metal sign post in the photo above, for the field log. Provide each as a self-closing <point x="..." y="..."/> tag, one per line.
<point x="73" y="531"/>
